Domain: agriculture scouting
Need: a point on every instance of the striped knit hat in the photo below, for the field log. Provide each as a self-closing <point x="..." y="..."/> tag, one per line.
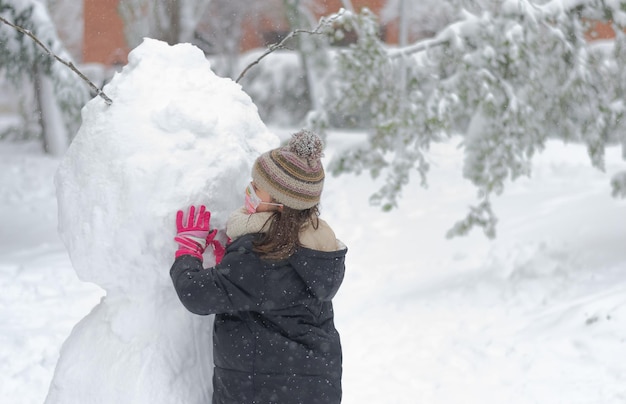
<point x="293" y="175"/>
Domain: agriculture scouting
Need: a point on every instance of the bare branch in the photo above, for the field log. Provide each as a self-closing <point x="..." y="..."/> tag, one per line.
<point x="53" y="55"/>
<point x="281" y="45"/>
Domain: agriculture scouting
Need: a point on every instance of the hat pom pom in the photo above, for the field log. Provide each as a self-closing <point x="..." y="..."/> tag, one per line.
<point x="307" y="145"/>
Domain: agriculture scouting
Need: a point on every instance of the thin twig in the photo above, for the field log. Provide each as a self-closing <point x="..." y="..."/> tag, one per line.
<point x="281" y="44"/>
<point x="53" y="55"/>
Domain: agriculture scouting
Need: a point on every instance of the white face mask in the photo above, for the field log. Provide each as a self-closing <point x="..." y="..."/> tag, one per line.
<point x="253" y="201"/>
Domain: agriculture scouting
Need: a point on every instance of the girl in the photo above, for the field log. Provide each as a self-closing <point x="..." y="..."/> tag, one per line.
<point x="274" y="340"/>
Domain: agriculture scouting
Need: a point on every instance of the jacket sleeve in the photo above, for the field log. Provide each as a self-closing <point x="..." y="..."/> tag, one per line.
<point x="235" y="284"/>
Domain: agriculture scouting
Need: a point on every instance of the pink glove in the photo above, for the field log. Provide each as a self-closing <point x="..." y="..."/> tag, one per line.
<point x="193" y="237"/>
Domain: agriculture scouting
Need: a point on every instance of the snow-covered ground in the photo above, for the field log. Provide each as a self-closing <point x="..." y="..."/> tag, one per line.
<point x="536" y="316"/>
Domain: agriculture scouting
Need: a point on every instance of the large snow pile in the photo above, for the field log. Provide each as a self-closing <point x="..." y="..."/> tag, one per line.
<point x="175" y="135"/>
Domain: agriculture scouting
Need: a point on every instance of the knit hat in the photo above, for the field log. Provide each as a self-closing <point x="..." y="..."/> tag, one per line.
<point x="293" y="174"/>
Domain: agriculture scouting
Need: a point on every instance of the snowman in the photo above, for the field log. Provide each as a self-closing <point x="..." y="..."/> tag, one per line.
<point x="176" y="135"/>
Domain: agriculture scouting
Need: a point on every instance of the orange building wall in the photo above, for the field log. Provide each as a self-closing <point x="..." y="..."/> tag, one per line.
<point x="600" y="30"/>
<point x="103" y="40"/>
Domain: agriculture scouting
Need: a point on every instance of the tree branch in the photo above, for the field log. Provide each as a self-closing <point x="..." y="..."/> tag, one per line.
<point x="53" y="55"/>
<point x="417" y="47"/>
<point x="281" y="45"/>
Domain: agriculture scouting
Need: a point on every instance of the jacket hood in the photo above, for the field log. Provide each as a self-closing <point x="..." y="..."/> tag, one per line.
<point x="321" y="271"/>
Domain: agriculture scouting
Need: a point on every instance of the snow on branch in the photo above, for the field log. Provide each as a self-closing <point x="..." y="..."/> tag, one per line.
<point x="505" y="80"/>
<point x="417" y="47"/>
<point x="347" y="4"/>
<point x="547" y="12"/>
<point x="62" y="61"/>
<point x="618" y="185"/>
<point x="479" y="216"/>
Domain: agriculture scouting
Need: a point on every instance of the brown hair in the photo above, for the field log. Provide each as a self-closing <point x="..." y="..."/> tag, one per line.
<point x="281" y="239"/>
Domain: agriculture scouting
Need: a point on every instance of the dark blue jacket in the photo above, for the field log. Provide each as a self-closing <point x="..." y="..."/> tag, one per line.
<point x="274" y="340"/>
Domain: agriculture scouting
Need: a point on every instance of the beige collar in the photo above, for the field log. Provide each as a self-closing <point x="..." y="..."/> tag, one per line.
<point x="241" y="222"/>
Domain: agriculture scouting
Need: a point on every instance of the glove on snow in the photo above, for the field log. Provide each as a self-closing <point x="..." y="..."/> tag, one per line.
<point x="193" y="237"/>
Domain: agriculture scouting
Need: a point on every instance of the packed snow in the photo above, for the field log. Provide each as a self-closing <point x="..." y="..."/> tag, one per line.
<point x="535" y="316"/>
<point x="176" y="134"/>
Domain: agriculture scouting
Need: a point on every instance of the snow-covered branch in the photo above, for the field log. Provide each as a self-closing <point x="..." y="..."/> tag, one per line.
<point x="347" y="4"/>
<point x="618" y="184"/>
<point x="507" y="80"/>
<point x="417" y="47"/>
<point x="546" y="13"/>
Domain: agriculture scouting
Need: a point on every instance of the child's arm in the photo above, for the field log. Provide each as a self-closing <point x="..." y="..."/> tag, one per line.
<point x="231" y="286"/>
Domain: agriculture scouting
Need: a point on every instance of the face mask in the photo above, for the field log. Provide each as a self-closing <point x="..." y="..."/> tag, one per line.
<point x="253" y="201"/>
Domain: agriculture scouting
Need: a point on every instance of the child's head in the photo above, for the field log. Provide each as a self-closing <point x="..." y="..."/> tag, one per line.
<point x="293" y="175"/>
